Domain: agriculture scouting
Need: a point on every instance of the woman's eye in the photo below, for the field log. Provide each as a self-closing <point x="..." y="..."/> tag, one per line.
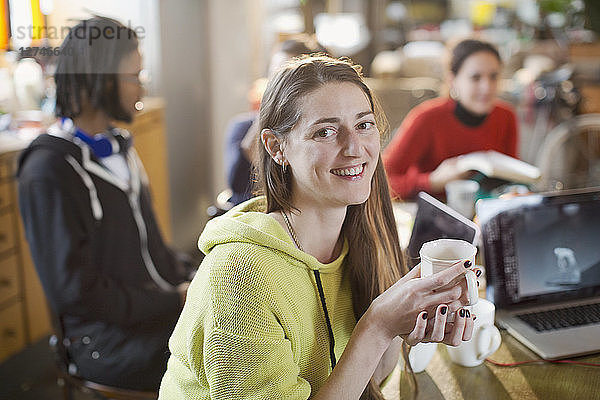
<point x="366" y="125"/>
<point x="325" y="133"/>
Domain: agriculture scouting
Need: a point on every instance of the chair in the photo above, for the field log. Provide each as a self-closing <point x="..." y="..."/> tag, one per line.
<point x="569" y="157"/>
<point x="68" y="379"/>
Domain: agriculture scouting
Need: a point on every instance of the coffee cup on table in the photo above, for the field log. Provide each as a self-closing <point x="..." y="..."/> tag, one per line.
<point x="461" y="196"/>
<point x="485" y="340"/>
<point x="440" y="254"/>
<point x="420" y="356"/>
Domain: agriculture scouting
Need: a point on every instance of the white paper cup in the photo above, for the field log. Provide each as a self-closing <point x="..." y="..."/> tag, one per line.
<point x="485" y="341"/>
<point x="440" y="254"/>
<point x="461" y="195"/>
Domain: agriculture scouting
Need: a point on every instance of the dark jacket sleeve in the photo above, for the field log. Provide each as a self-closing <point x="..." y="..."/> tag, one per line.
<point x="237" y="167"/>
<point x="60" y="246"/>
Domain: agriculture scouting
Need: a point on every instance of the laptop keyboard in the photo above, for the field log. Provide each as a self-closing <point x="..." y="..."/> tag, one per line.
<point x="563" y="317"/>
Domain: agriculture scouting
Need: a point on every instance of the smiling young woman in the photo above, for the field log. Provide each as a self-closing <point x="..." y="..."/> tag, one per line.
<point x="304" y="291"/>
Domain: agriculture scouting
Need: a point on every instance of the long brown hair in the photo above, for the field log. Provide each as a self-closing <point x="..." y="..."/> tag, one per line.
<point x="374" y="260"/>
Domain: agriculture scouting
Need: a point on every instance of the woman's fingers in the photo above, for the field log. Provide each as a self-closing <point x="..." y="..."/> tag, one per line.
<point x="439" y="325"/>
<point x="455" y="337"/>
<point x="454" y="307"/>
<point x="449" y="295"/>
<point x="446" y="277"/>
<point x="459" y="280"/>
<point x="418" y="333"/>
<point x="415" y="272"/>
<point x="468" y="333"/>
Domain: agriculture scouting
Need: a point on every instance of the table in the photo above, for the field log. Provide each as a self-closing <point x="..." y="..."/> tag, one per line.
<point x="442" y="379"/>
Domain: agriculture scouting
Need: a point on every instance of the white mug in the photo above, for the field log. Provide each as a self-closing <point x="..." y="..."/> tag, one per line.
<point x="485" y="341"/>
<point x="461" y="195"/>
<point x="440" y="254"/>
<point x="419" y="356"/>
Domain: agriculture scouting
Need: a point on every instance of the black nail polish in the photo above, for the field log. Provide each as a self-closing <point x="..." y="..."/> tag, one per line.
<point x="424" y="316"/>
<point x="474" y="317"/>
<point x="478" y="273"/>
<point x="468" y="314"/>
<point x="443" y="310"/>
<point x="467" y="264"/>
<point x="462" y="312"/>
<point x="477" y="283"/>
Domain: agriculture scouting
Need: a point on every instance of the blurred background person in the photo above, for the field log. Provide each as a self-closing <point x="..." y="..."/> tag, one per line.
<point x="422" y="155"/>
<point x="113" y="285"/>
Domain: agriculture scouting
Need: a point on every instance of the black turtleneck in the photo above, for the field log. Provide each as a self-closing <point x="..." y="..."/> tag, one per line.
<point x="467" y="117"/>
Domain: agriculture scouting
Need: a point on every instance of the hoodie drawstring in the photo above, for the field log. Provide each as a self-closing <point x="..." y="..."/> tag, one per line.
<point x="89" y="184"/>
<point x="327" y="320"/>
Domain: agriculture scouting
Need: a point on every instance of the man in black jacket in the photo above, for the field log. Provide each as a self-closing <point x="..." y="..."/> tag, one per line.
<point x="115" y="286"/>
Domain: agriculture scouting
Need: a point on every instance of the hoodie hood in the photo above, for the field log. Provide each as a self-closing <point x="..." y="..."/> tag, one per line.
<point x="60" y="140"/>
<point x="248" y="223"/>
<point x="54" y="143"/>
<point x="72" y="155"/>
<point x="83" y="161"/>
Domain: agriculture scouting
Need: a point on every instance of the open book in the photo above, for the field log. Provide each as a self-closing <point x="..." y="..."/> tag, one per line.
<point x="497" y="165"/>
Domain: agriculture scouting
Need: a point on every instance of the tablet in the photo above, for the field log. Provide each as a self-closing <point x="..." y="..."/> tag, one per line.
<point x="435" y="220"/>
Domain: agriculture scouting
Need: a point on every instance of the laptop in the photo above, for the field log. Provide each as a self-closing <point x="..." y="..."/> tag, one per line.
<point x="435" y="220"/>
<point x="542" y="256"/>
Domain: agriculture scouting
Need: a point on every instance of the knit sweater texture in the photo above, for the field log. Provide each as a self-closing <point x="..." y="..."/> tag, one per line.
<point x="253" y="325"/>
<point x="431" y="133"/>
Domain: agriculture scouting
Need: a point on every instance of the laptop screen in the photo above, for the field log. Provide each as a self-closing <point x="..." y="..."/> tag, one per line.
<point x="435" y="220"/>
<point x="541" y="248"/>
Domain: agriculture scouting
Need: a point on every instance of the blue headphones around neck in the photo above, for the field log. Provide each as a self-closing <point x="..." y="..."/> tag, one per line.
<point x="100" y="144"/>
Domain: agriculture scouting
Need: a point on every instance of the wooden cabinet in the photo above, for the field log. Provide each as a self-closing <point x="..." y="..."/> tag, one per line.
<point x="23" y="311"/>
<point x="149" y="140"/>
<point x="9" y="279"/>
<point x="24" y="315"/>
<point x="12" y="329"/>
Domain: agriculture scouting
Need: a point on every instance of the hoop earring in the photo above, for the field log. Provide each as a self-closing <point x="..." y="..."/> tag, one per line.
<point x="453" y="93"/>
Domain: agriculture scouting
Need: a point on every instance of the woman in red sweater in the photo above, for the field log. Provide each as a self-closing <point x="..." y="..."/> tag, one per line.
<point x="422" y="155"/>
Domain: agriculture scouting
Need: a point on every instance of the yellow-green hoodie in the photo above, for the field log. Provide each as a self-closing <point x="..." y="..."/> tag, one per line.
<point x="253" y="326"/>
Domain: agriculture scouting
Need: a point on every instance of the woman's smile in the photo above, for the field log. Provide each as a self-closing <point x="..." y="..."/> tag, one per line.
<point x="351" y="173"/>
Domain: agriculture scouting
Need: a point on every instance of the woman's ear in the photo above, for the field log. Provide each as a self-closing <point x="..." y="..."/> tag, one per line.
<point x="273" y="145"/>
<point x="451" y="78"/>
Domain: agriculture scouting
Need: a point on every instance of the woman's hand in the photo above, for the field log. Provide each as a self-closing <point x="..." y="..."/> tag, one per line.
<point x="373" y="344"/>
<point x="445" y="172"/>
<point x="417" y="308"/>
<point x="437" y="329"/>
